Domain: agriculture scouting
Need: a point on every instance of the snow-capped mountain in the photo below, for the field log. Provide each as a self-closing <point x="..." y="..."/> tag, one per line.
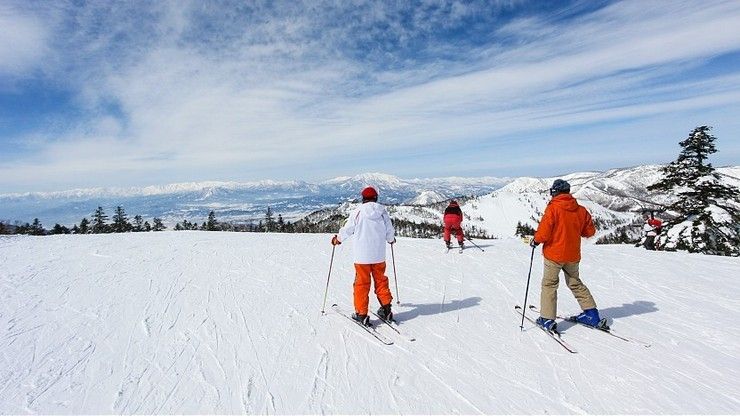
<point x="493" y="205"/>
<point x="426" y="198"/>
<point x="232" y="201"/>
<point x="615" y="199"/>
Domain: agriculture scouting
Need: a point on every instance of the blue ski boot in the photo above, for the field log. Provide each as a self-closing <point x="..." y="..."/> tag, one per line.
<point x="547" y="324"/>
<point x="589" y="317"/>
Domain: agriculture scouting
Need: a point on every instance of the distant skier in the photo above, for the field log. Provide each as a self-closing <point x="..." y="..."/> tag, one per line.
<point x="372" y="228"/>
<point x="651" y="229"/>
<point x="453" y="218"/>
<point x="560" y="230"/>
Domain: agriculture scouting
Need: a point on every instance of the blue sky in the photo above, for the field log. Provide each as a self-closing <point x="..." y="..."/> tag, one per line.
<point x="99" y="93"/>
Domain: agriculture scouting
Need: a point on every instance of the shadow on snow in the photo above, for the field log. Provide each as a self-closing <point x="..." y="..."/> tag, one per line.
<point x="434" y="308"/>
<point x="637" y="307"/>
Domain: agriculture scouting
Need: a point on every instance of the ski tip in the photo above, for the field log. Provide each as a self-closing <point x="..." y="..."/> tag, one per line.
<point x="517" y="307"/>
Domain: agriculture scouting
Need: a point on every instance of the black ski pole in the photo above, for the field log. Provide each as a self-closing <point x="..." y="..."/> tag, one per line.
<point x="526" y="293"/>
<point x="395" y="276"/>
<point x="471" y="242"/>
<point x="326" y="291"/>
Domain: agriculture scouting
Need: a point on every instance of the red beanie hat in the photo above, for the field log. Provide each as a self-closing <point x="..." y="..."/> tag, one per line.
<point x="369" y="193"/>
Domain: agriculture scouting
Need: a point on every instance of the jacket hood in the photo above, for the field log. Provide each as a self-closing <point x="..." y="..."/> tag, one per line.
<point x="372" y="210"/>
<point x="565" y="201"/>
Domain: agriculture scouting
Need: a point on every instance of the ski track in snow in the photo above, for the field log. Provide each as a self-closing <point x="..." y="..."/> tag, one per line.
<point x="199" y="322"/>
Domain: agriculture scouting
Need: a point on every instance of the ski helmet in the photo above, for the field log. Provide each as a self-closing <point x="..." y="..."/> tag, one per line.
<point x="559" y="187"/>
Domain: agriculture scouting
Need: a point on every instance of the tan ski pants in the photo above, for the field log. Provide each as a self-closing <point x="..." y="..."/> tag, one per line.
<point x="549" y="292"/>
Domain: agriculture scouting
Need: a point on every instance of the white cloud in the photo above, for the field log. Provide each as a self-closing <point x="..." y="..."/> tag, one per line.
<point x="284" y="87"/>
<point x="22" y="42"/>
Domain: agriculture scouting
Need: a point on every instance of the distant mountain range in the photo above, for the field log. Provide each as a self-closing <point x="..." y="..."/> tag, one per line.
<point x="234" y="201"/>
<point x="615" y="198"/>
<point x="493" y="205"/>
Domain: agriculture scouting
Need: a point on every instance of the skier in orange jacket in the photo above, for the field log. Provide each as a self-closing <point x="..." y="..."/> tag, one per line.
<point x="560" y="230"/>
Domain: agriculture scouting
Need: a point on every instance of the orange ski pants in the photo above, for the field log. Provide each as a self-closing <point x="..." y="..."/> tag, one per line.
<point x="363" y="272"/>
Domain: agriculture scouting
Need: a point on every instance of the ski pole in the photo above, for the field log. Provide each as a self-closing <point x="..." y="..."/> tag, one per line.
<point x="526" y="293"/>
<point x="395" y="276"/>
<point x="326" y="291"/>
<point x="471" y="242"/>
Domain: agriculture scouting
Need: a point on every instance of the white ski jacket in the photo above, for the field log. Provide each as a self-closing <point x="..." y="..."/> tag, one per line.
<point x="372" y="228"/>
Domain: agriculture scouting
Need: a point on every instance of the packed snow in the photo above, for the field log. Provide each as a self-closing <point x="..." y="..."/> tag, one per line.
<point x="207" y="322"/>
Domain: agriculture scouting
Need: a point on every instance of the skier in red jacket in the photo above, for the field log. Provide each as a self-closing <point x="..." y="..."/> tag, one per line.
<point x="453" y="218"/>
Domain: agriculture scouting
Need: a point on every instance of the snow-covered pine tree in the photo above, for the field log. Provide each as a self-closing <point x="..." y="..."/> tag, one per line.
<point x="158" y="225"/>
<point x="707" y="212"/>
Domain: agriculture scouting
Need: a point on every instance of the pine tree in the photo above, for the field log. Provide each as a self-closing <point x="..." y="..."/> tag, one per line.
<point x="707" y="212"/>
<point x="22" y="228"/>
<point x="158" y="225"/>
<point x="84" y="226"/>
<point x="99" y="219"/>
<point x="138" y="225"/>
<point x="36" y="228"/>
<point x="523" y="230"/>
<point x="147" y="227"/>
<point x="269" y="220"/>
<point x="120" y="221"/>
<point x="3" y="229"/>
<point x="75" y="229"/>
<point x="59" y="229"/>
<point x="212" y="224"/>
<point x="280" y="224"/>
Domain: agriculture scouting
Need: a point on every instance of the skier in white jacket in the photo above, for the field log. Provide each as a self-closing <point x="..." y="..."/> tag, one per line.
<point x="371" y="227"/>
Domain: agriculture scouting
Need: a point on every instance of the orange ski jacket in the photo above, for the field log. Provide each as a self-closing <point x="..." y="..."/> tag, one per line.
<point x="561" y="229"/>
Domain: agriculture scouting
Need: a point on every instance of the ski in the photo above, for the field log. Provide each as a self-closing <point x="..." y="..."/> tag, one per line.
<point x="369" y="329"/>
<point x="553" y="334"/>
<point x="606" y="330"/>
<point x="394" y="326"/>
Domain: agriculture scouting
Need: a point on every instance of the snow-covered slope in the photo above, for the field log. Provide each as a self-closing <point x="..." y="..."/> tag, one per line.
<point x="197" y="322"/>
<point x="426" y="198"/>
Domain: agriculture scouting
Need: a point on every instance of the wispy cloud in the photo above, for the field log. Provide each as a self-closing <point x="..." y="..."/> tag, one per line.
<point x="193" y="90"/>
<point x="24" y="42"/>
